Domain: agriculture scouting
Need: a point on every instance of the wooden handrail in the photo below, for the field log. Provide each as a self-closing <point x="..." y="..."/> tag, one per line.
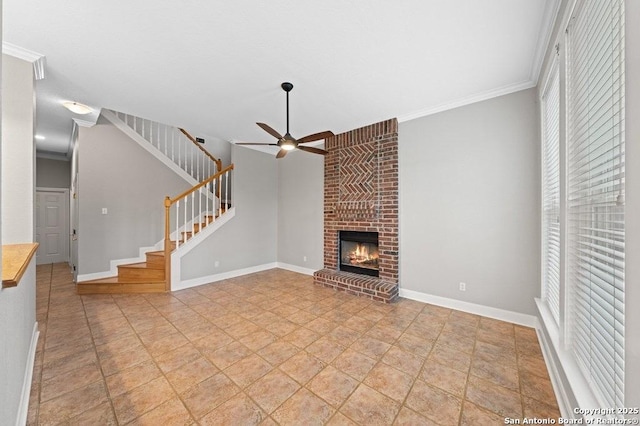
<point x="168" y="202"/>
<point x="201" y="184"/>
<point x="195" y="142"/>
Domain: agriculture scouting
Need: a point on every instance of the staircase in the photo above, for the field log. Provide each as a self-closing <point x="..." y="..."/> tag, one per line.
<point x="186" y="215"/>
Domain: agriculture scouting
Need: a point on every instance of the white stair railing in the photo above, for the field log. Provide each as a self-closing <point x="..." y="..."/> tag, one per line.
<point x="192" y="210"/>
<point x="175" y="144"/>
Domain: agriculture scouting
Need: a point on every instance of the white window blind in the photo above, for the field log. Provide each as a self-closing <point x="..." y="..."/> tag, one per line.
<point x="595" y="194"/>
<point x="551" y="192"/>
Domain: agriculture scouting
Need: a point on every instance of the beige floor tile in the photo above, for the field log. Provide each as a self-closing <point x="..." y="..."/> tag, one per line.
<point x="278" y="352"/>
<point x="191" y="373"/>
<point x="542" y="410"/>
<point x="434" y="403"/>
<point x="472" y="415"/>
<point x="354" y="364"/>
<point x="369" y="407"/>
<point x="332" y="385"/>
<point x="303" y="408"/>
<point x="373" y="348"/>
<point x="69" y="381"/>
<point x="258" y="339"/>
<point x="496" y="373"/>
<point x="403" y="360"/>
<point x="166" y="358"/>
<point x="386" y="334"/>
<point x="248" y="370"/>
<point x="177" y="357"/>
<point x="169" y="413"/>
<point x="494" y="398"/>
<point x="302" y="367"/>
<point x="389" y="381"/>
<point x="325" y="349"/>
<point x="536" y="387"/>
<point x="448" y="356"/>
<point x="444" y="377"/>
<point x="340" y="419"/>
<point x="416" y="345"/>
<point x="102" y="415"/>
<point x="135" y="403"/>
<point x="228" y="355"/>
<point x="129" y="379"/>
<point x="408" y="417"/>
<point x="272" y="390"/>
<point x="457" y="342"/>
<point x="301" y="337"/>
<point x="72" y="404"/>
<point x="207" y="395"/>
<point x="239" y="410"/>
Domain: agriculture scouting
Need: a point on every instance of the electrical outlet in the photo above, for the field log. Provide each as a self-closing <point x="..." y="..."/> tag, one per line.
<point x="304" y="258"/>
<point x="216" y="264"/>
<point x="463" y="286"/>
<point x="104" y="210"/>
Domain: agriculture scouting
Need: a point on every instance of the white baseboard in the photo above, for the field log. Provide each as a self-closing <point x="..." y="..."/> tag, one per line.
<point x="23" y="409"/>
<point x="472" y="308"/>
<point x="222" y="276"/>
<point x="294" y="268"/>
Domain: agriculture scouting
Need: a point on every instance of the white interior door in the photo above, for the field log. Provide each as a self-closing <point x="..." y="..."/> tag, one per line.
<point x="52" y="225"/>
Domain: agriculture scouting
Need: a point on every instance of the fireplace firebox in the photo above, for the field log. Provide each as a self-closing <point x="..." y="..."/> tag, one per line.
<point x="358" y="252"/>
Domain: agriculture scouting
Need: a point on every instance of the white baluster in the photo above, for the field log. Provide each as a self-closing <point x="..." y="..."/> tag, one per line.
<point x="177" y="223"/>
<point x="165" y="139"/>
<point x="226" y="191"/>
<point x="173" y="150"/>
<point x="193" y="205"/>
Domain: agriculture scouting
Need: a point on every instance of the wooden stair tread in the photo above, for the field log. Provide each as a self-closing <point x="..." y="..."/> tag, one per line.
<point x="141" y="265"/>
<point x="119" y="280"/>
<point x="115" y="285"/>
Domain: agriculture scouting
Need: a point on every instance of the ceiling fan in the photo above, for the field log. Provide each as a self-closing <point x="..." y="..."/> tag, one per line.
<point x="288" y="142"/>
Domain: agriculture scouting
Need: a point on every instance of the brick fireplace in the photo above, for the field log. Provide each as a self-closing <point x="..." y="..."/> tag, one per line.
<point x="361" y="195"/>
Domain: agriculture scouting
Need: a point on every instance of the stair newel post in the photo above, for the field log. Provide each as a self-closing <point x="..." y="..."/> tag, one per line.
<point x="167" y="243"/>
<point x="219" y="169"/>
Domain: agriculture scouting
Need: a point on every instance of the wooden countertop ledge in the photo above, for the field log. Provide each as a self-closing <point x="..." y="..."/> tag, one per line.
<point x="15" y="259"/>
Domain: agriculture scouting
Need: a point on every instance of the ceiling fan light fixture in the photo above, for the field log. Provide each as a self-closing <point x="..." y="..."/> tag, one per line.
<point x="287" y="145"/>
<point x="77" y="107"/>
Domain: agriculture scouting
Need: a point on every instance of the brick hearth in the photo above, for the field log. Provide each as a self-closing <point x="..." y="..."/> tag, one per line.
<point x="361" y="194"/>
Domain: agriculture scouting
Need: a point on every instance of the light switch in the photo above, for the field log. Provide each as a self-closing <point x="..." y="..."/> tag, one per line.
<point x="104" y="210"/>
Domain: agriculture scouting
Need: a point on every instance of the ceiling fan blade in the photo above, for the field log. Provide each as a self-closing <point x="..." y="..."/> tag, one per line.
<point x="316" y="136"/>
<point x="312" y="149"/>
<point x="269" y="130"/>
<point x="281" y="153"/>
<point x="256" y="143"/>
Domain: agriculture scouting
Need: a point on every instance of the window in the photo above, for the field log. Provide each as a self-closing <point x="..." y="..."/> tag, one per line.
<point x="551" y="192"/>
<point x="595" y="194"/>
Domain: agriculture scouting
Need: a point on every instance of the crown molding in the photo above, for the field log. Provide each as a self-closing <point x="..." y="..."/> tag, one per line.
<point x="37" y="59"/>
<point x="546" y="31"/>
<point x="468" y="100"/>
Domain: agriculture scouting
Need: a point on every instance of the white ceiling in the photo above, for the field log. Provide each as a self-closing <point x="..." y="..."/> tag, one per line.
<point x="215" y="67"/>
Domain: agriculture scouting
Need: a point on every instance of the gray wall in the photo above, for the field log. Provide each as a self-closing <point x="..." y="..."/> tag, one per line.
<point x="116" y="173"/>
<point x="17" y="304"/>
<point x="300" y="210"/>
<point x="469" y="203"/>
<point x="18" y="152"/>
<point x="53" y="173"/>
<point x="250" y="238"/>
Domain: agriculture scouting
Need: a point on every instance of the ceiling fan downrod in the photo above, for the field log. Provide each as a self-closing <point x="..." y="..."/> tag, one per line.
<point x="287" y="87"/>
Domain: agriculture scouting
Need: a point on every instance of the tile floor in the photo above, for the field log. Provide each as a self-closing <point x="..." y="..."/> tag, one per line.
<point x="273" y="348"/>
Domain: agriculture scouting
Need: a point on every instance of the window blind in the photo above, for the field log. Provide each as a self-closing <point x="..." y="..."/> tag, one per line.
<point x="595" y="194"/>
<point x="551" y="192"/>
